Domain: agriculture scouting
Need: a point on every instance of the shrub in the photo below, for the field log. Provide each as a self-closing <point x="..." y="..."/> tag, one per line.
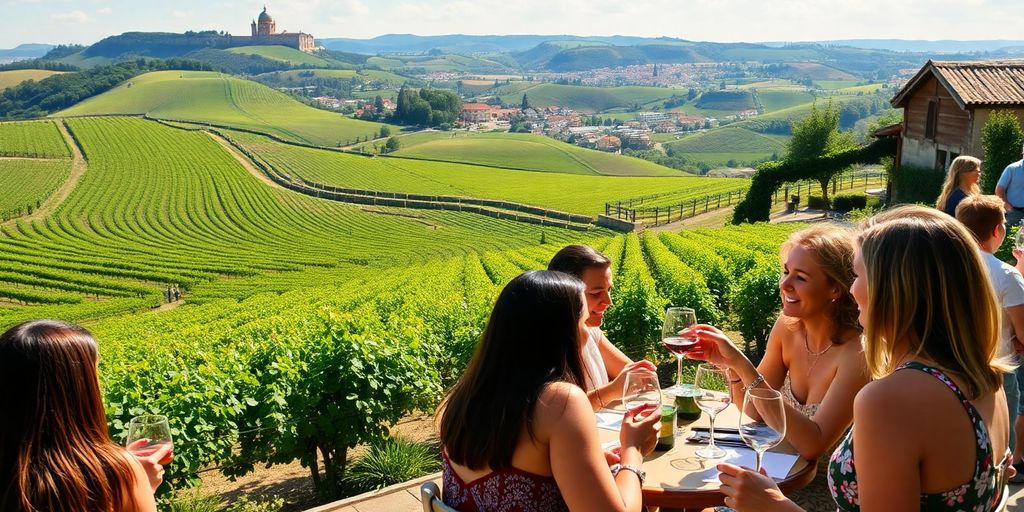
<point x="1001" y="138"/>
<point x="913" y="184"/>
<point x="390" y="462"/>
<point x="191" y="501"/>
<point x="244" y="504"/>
<point x="816" y="202"/>
<point x="1005" y="252"/>
<point x="846" y="202"/>
<point x="755" y="302"/>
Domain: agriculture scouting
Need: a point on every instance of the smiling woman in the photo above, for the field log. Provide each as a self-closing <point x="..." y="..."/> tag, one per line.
<point x="812" y="355"/>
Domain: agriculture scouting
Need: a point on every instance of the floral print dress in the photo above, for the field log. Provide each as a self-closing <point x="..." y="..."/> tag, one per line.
<point x="977" y="495"/>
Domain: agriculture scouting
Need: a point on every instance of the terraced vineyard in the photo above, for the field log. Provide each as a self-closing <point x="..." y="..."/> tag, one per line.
<point x="524" y="151"/>
<point x="570" y="193"/>
<point x="222" y="99"/>
<point x="34" y="139"/>
<point x="184" y="211"/>
<point x="27" y="183"/>
<point x="239" y="378"/>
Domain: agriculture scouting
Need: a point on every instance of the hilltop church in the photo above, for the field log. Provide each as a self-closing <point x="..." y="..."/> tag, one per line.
<point x="264" y="32"/>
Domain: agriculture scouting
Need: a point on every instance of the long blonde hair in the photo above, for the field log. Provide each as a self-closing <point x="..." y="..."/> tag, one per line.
<point x="832" y="249"/>
<point x="961" y="164"/>
<point x="927" y="285"/>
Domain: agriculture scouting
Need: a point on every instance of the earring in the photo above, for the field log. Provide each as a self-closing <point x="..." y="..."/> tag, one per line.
<point x="833" y="299"/>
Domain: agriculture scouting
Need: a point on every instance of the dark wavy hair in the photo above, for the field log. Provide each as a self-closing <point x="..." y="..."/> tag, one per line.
<point x="531" y="340"/>
<point x="55" y="451"/>
<point x="575" y="259"/>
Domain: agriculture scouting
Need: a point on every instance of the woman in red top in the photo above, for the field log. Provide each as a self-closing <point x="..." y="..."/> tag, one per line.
<point x="518" y="431"/>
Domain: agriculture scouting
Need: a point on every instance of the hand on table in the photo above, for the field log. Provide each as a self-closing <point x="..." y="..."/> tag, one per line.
<point x="747" y="490"/>
<point x="151" y="463"/>
<point x="640" y="428"/>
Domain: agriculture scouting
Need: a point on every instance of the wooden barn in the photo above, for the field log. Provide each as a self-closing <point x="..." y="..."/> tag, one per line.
<point x="945" y="105"/>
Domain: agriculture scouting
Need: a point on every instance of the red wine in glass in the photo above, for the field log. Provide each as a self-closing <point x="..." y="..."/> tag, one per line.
<point x="679" y="345"/>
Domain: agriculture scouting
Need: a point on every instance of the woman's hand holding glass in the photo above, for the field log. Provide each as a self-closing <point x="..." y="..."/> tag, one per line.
<point x="640" y="427"/>
<point x="714" y="346"/>
<point x="749" y="490"/>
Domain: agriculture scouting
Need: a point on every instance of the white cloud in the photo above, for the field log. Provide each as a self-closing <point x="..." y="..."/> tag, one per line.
<point x="76" y="16"/>
<point x="105" y="10"/>
<point x="181" y="14"/>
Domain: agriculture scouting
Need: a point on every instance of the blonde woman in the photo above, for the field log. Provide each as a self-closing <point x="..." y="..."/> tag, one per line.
<point x="929" y="432"/>
<point x="813" y="354"/>
<point x="961" y="181"/>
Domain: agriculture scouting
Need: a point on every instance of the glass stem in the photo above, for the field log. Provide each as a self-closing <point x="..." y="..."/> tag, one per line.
<point x="679" y="371"/>
<point x="711" y="431"/>
<point x="760" y="454"/>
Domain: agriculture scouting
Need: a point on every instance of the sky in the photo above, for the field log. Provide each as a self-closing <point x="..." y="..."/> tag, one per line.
<point x="87" y="21"/>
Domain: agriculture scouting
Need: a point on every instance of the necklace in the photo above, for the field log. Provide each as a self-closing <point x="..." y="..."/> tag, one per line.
<point x="814" y="355"/>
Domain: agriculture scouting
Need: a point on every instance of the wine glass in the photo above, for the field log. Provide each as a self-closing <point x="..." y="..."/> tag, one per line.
<point x="714" y="397"/>
<point x="677" y="319"/>
<point x="641" y="391"/>
<point x="762" y="420"/>
<point x="147" y="434"/>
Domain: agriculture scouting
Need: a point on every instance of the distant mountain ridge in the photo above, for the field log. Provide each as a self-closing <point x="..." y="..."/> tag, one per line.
<point x="25" y="51"/>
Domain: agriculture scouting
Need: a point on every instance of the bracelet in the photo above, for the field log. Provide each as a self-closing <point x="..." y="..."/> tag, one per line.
<point x="641" y="474"/>
<point x="758" y="380"/>
<point x="737" y="381"/>
<point x="729" y="372"/>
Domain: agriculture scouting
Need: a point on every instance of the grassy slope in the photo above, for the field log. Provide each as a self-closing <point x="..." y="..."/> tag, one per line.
<point x="17" y="76"/>
<point x="222" y="99"/>
<point x="525" y="151"/>
<point x="728" y="139"/>
<point x="369" y="75"/>
<point x="590" y="99"/>
<point x="773" y="100"/>
<point x="572" y="193"/>
<point x="284" y="54"/>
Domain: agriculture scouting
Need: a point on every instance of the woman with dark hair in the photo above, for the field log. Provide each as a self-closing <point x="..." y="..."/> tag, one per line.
<point x="55" y="451"/>
<point x="605" y="366"/>
<point x="523" y="435"/>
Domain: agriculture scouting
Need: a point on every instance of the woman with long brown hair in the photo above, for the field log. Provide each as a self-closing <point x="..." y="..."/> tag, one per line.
<point x="55" y="450"/>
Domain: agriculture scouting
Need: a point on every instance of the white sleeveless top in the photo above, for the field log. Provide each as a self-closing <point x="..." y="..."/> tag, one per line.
<point x="593" y="363"/>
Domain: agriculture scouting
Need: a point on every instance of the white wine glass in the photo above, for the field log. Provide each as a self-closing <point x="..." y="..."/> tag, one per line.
<point x="677" y="319"/>
<point x="641" y="391"/>
<point x="713" y="398"/>
<point x="148" y="434"/>
<point x="762" y="420"/>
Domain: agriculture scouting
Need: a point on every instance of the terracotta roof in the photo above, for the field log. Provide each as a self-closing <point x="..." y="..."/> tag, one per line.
<point x="476" y="106"/>
<point x="973" y="83"/>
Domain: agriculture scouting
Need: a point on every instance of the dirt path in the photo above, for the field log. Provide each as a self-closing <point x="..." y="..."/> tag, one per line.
<point x="167" y="306"/>
<point x="244" y="160"/>
<point x="41" y="159"/>
<point x="78" y="168"/>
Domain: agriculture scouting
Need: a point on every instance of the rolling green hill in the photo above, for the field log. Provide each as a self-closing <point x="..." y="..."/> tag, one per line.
<point x="773" y="100"/>
<point x="365" y="76"/>
<point x="733" y="100"/>
<point x="590" y="99"/>
<point x="525" y="151"/>
<point x="566" y="192"/>
<point x="285" y="54"/>
<point x="17" y="76"/>
<point x="222" y="99"/>
<point x="26" y="183"/>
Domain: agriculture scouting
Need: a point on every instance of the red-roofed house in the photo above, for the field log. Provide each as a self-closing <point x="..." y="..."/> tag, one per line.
<point x="609" y="143"/>
<point x="476" y="112"/>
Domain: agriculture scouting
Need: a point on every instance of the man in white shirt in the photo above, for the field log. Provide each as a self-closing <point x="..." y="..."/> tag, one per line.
<point x="983" y="216"/>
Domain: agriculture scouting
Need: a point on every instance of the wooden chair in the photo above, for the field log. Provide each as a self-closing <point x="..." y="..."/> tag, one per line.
<point x="430" y="495"/>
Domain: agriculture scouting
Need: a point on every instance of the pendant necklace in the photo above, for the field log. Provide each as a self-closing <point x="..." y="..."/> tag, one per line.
<point x="814" y="355"/>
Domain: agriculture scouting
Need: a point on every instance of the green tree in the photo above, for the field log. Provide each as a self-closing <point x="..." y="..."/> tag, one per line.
<point x="818" y="135"/>
<point x="378" y="104"/>
<point x="525" y="104"/>
<point x="392" y="145"/>
<point x="384" y="131"/>
<point x="1001" y="139"/>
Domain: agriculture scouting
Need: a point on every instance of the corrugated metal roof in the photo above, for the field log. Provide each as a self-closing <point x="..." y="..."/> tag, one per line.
<point x="974" y="83"/>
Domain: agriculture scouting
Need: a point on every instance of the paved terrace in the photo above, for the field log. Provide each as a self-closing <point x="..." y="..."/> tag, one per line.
<point x="405" y="497"/>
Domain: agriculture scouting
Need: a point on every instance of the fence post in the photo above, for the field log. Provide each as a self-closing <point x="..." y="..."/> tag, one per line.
<point x="719" y="200"/>
<point x="694" y="206"/>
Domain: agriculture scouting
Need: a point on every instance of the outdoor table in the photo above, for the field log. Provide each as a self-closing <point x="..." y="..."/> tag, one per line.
<point x="683" y="487"/>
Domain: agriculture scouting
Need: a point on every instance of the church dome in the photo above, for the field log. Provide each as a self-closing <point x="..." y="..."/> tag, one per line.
<point x="264" y="17"/>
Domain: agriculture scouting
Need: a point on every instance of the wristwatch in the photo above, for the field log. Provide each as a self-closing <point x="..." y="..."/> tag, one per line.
<point x="641" y="474"/>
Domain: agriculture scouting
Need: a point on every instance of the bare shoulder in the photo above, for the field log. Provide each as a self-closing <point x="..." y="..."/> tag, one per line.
<point x="560" y="399"/>
<point x="899" y="397"/>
